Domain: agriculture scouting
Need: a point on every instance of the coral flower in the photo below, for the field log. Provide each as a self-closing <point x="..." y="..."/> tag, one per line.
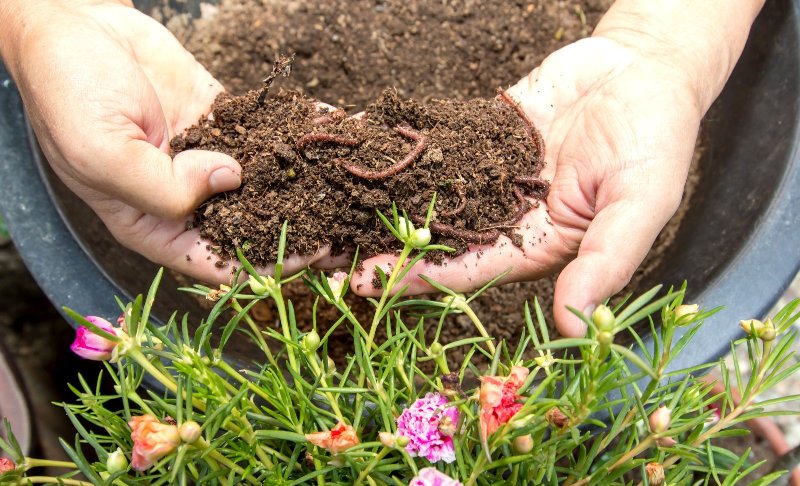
<point x="338" y="439"/>
<point x="498" y="400"/>
<point x="431" y="477"/>
<point x="152" y="440"/>
<point x="89" y="345"/>
<point x="429" y="424"/>
<point x="6" y="465"/>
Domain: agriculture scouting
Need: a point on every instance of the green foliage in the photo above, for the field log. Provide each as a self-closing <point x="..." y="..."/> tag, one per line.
<point x="254" y="421"/>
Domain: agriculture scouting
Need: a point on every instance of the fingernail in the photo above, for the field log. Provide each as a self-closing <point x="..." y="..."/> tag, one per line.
<point x="224" y="179"/>
<point x="589" y="309"/>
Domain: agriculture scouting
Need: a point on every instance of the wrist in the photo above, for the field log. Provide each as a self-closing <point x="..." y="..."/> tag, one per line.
<point x="697" y="41"/>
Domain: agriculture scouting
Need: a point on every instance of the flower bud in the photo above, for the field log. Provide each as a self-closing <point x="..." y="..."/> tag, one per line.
<point x="387" y="439"/>
<point x="751" y="326"/>
<point x="331" y="366"/>
<point x="767" y="333"/>
<point x="436" y="349"/>
<point x="545" y="361"/>
<point x="116" y="461"/>
<point x="402" y="441"/>
<point x="190" y="431"/>
<point x="684" y="312"/>
<point x="603" y="318"/>
<point x="336" y="284"/>
<point x="660" y="419"/>
<point x="522" y="444"/>
<point x="405" y="228"/>
<point x="420" y="238"/>
<point x="605" y="338"/>
<point x="259" y="288"/>
<point x="556" y="418"/>
<point x="310" y="342"/>
<point x="6" y="465"/>
<point x="89" y="345"/>
<point x="655" y="473"/>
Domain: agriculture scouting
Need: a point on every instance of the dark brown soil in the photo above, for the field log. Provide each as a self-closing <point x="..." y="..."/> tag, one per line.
<point x="348" y="52"/>
<point x="327" y="175"/>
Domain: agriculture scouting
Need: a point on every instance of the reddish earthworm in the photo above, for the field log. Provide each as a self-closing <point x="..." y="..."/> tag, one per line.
<point x="480" y="237"/>
<point x="325" y="137"/>
<point x="540" y="187"/>
<point x="533" y="133"/>
<point x="461" y="205"/>
<point x="422" y="142"/>
<point x="334" y="116"/>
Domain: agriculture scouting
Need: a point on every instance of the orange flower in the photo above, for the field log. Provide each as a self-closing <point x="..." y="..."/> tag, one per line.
<point x="6" y="465"/>
<point x="338" y="439"/>
<point x="498" y="400"/>
<point x="152" y="440"/>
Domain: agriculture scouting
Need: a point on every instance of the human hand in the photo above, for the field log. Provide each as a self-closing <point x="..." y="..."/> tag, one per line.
<point x="619" y="131"/>
<point x="106" y="88"/>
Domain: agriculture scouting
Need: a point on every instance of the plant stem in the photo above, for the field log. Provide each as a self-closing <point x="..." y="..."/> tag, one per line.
<point x="373" y="328"/>
<point x="314" y="365"/>
<point x="31" y="463"/>
<point x="374" y="462"/>
<point x="643" y="446"/>
<point x="277" y="296"/>
<point x="477" y="470"/>
<point x="219" y="458"/>
<point x="51" y="480"/>
<point x="462" y="305"/>
<point x="262" y="343"/>
<point x="135" y="353"/>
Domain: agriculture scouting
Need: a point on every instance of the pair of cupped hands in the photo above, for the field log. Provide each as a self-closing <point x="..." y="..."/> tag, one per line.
<point x="107" y="87"/>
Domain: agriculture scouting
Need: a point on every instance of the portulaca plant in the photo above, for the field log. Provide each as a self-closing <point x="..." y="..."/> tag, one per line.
<point x="538" y="411"/>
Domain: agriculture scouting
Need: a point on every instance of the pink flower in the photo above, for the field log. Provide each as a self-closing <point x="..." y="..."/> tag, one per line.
<point x="429" y="425"/>
<point x="498" y="400"/>
<point x="89" y="345"/>
<point x="431" y="477"/>
<point x="152" y="440"/>
<point x="336" y="440"/>
<point x="6" y="465"/>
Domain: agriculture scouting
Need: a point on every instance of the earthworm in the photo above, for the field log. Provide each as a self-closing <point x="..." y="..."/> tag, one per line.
<point x="325" y="137"/>
<point x="540" y="187"/>
<point x="422" y="142"/>
<point x="334" y="116"/>
<point x="461" y="205"/>
<point x="533" y="133"/>
<point x="479" y="237"/>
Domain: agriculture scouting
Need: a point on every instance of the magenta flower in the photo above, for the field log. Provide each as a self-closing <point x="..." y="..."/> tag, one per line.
<point x="89" y="345"/>
<point x="431" y="477"/>
<point x="429" y="425"/>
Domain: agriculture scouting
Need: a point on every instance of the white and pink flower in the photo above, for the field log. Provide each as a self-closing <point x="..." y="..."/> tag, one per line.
<point x="429" y="425"/>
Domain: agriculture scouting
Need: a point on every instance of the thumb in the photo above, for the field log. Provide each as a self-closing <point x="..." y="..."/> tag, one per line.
<point x="616" y="242"/>
<point x="156" y="184"/>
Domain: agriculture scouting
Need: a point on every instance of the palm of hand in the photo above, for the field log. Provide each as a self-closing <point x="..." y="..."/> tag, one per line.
<point x="618" y="141"/>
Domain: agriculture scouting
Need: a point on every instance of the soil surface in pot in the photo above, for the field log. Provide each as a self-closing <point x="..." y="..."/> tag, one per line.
<point x="349" y="52"/>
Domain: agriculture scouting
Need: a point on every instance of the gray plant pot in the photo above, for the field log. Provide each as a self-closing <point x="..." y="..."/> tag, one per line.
<point x="14" y="404"/>
<point x="739" y="247"/>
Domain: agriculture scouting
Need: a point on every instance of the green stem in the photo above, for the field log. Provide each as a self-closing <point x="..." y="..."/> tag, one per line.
<point x="219" y="458"/>
<point x="477" y="470"/>
<point x="31" y="463"/>
<point x="643" y="446"/>
<point x="277" y="296"/>
<point x="262" y="343"/>
<point x="374" y="462"/>
<point x="401" y="260"/>
<point x="135" y="353"/>
<point x="462" y="305"/>
<point x="315" y="367"/>
<point x="51" y="480"/>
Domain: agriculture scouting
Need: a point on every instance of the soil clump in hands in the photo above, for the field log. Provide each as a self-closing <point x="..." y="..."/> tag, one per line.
<point x="327" y="174"/>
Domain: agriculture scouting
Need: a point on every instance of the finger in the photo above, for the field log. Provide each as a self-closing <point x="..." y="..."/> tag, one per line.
<point x="163" y="187"/>
<point x="615" y="244"/>
<point x="541" y="252"/>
